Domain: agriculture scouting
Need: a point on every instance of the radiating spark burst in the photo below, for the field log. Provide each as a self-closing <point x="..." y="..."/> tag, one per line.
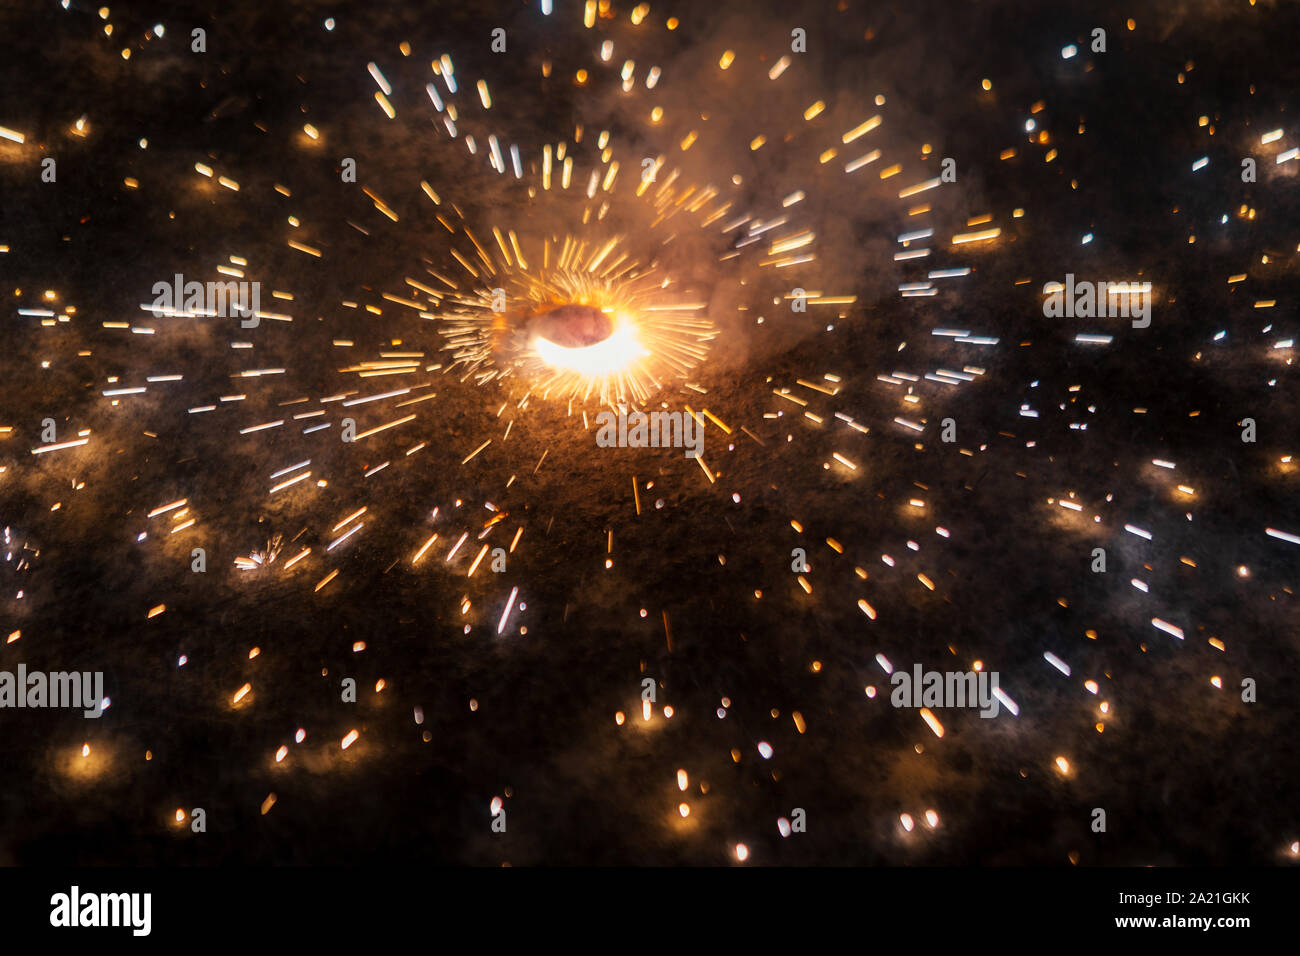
<point x="554" y="340"/>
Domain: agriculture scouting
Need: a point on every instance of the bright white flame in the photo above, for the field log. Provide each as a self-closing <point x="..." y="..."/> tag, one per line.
<point x="607" y="357"/>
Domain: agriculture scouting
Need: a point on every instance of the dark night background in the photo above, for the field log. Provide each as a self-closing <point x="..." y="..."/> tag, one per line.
<point x="1186" y="773"/>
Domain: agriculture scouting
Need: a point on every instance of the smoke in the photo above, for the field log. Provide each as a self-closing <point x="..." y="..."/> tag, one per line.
<point x="763" y="138"/>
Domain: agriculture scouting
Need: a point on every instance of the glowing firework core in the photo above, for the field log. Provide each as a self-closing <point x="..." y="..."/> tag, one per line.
<point x="615" y="336"/>
<point x="586" y="340"/>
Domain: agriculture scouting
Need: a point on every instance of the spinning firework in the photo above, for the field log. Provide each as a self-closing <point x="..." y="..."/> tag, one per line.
<point x="585" y="332"/>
